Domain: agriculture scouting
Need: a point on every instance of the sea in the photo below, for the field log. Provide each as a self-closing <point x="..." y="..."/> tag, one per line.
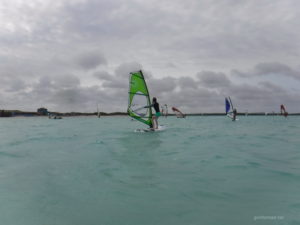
<point x="199" y="170"/>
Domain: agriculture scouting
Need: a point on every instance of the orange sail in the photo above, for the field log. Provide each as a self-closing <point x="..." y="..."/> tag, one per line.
<point x="283" y="112"/>
<point x="178" y="113"/>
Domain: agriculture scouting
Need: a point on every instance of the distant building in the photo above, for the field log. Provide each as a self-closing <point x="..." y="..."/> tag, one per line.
<point x="42" y="111"/>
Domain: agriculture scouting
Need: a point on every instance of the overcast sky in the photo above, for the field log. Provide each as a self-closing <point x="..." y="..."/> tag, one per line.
<point x="70" y="55"/>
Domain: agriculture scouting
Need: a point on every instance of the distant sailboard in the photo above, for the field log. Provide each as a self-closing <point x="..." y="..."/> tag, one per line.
<point x="178" y="113"/>
<point x="164" y="110"/>
<point x="139" y="104"/>
<point x="160" y="128"/>
<point x="283" y="111"/>
<point x="229" y="108"/>
<point x="54" y="116"/>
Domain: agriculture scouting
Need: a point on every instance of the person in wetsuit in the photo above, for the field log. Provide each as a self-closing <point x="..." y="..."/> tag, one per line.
<point x="157" y="114"/>
<point x="234" y="112"/>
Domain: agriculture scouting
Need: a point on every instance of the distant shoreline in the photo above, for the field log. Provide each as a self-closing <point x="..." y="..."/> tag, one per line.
<point x="15" y="113"/>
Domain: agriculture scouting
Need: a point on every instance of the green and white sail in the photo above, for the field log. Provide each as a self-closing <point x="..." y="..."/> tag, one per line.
<point x="139" y="100"/>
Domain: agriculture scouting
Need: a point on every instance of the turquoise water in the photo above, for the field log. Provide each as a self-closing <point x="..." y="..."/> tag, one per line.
<point x="201" y="170"/>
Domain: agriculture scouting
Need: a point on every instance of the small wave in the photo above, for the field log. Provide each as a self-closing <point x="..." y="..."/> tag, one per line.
<point x="254" y="164"/>
<point x="213" y="195"/>
<point x="10" y="155"/>
<point x="294" y="222"/>
<point x="170" y="153"/>
<point x="16" y="143"/>
<point x="98" y="142"/>
<point x="240" y="167"/>
<point x="295" y="206"/>
<point x="285" y="174"/>
<point x="197" y="137"/>
<point x="218" y="157"/>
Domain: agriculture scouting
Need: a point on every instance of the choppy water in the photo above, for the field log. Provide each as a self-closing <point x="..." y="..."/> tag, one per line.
<point x="201" y="170"/>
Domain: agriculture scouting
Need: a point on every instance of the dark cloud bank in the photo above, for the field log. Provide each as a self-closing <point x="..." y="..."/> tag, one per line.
<point x="204" y="92"/>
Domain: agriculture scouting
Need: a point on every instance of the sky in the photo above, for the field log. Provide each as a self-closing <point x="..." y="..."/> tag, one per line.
<point x="70" y="55"/>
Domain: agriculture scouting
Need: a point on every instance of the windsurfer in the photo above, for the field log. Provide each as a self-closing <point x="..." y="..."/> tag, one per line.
<point x="283" y="111"/>
<point x="234" y="112"/>
<point x="157" y="114"/>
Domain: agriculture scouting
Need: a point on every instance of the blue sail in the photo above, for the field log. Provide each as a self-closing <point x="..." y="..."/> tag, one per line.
<point x="227" y="105"/>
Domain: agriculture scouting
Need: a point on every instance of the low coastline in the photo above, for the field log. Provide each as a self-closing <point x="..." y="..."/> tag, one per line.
<point x="18" y="113"/>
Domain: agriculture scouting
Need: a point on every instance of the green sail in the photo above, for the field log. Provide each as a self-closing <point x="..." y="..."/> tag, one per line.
<point x="139" y="98"/>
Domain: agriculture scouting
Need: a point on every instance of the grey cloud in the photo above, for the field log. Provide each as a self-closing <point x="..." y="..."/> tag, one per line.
<point x="248" y="92"/>
<point x="200" y="100"/>
<point x="10" y="83"/>
<point x="276" y="68"/>
<point x="51" y="83"/>
<point x="91" y="17"/>
<point x="214" y="80"/>
<point x="265" y="69"/>
<point x="112" y="96"/>
<point x="115" y="83"/>
<point x="83" y="99"/>
<point x="273" y="88"/>
<point x="124" y="69"/>
<point x="170" y="65"/>
<point x="91" y="60"/>
<point x="45" y="82"/>
<point x="160" y="86"/>
<point x="118" y="19"/>
<point x="103" y="75"/>
<point x="120" y="78"/>
<point x="68" y="97"/>
<point x="187" y="82"/>
<point x="66" y="81"/>
<point x="16" y="85"/>
<point x="108" y="80"/>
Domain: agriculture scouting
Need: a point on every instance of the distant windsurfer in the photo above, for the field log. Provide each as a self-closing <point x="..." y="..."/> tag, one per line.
<point x="283" y="111"/>
<point x="166" y="110"/>
<point x="157" y="114"/>
<point x="162" y="110"/>
<point x="229" y="110"/>
<point x="234" y="112"/>
<point x="178" y="113"/>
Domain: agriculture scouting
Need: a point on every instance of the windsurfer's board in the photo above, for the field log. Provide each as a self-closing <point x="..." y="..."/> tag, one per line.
<point x="230" y="116"/>
<point x="160" y="128"/>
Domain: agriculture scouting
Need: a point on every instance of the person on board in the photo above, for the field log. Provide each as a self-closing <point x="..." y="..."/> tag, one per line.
<point x="283" y="111"/>
<point x="162" y="111"/>
<point x="157" y="114"/>
<point x="166" y="111"/>
<point x="234" y="112"/>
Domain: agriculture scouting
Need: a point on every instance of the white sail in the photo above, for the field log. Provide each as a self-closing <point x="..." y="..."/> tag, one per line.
<point x="98" y="111"/>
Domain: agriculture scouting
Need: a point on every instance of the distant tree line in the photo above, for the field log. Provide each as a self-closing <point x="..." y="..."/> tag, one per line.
<point x="4" y="113"/>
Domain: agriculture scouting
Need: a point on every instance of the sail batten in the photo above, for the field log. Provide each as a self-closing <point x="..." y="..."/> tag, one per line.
<point x="138" y="93"/>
